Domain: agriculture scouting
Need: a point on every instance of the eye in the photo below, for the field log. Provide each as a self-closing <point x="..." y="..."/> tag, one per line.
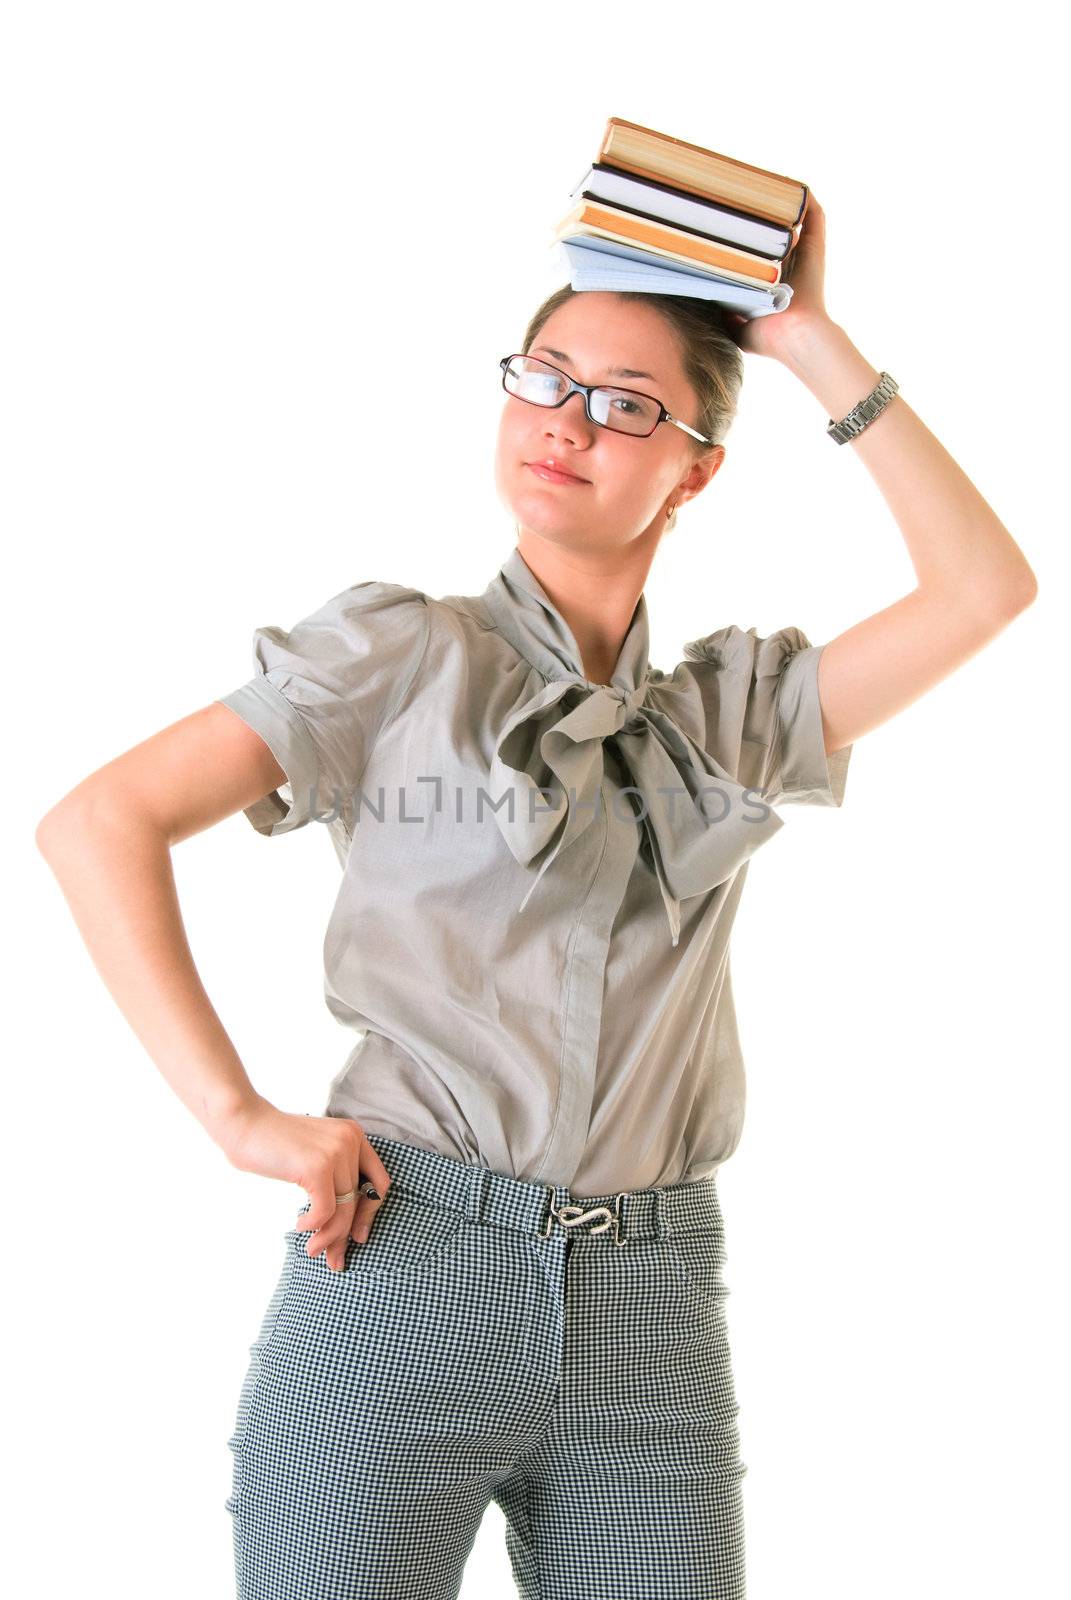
<point x="537" y="385"/>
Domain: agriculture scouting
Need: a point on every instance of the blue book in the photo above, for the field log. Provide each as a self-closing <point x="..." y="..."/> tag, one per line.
<point x="608" y="264"/>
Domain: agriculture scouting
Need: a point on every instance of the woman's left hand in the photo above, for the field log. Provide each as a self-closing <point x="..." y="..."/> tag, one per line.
<point x="805" y="272"/>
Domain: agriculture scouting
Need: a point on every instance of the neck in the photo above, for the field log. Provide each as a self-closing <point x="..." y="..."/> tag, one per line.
<point x="596" y="591"/>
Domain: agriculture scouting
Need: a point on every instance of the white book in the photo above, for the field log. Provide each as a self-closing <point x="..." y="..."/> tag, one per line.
<point x="600" y="264"/>
<point x="684" y="211"/>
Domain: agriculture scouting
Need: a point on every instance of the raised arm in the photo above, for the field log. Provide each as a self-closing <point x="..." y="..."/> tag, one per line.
<point x="973" y="579"/>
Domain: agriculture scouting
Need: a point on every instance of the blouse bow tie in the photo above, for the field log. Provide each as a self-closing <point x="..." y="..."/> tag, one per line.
<point x="699" y="823"/>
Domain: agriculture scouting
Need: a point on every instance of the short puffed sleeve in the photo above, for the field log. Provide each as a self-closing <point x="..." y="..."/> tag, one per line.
<point x="764" y="695"/>
<point x="324" y="692"/>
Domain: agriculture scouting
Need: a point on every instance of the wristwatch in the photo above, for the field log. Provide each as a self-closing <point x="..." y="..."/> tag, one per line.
<point x="864" y="413"/>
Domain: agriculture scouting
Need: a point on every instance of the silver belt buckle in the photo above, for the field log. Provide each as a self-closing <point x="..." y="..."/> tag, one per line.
<point x="572" y="1216"/>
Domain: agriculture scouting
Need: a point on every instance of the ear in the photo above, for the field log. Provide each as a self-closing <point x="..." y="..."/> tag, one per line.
<point x="702" y="471"/>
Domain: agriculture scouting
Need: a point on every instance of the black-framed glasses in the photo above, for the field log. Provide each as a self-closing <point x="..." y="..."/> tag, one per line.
<point x="622" y="410"/>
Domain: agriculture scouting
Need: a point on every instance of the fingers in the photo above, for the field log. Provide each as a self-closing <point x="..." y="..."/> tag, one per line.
<point x="337" y="1230"/>
<point x="331" y="1221"/>
<point x="325" y="1211"/>
<point x="368" y="1205"/>
<point x="373" y="1167"/>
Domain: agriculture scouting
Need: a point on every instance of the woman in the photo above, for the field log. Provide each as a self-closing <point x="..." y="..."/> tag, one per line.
<point x="508" y="1280"/>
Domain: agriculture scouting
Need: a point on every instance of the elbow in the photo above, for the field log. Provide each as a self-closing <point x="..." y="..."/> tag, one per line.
<point x="57" y="827"/>
<point x="1021" y="597"/>
<point x="1024" y="590"/>
<point x="1013" y="598"/>
<point x="49" y="829"/>
<point x="72" y="818"/>
<point x="99" y="810"/>
<point x="989" y="605"/>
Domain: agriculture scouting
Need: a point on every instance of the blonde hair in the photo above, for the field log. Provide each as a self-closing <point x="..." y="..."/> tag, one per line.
<point x="712" y="360"/>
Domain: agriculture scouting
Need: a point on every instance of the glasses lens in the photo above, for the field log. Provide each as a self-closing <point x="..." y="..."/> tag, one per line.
<point x="534" y="381"/>
<point x="624" y="410"/>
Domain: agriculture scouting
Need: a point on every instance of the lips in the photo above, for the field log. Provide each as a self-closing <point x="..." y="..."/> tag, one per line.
<point x="553" y="473"/>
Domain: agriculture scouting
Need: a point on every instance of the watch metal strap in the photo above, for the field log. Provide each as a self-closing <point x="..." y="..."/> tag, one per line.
<point x="864" y="413"/>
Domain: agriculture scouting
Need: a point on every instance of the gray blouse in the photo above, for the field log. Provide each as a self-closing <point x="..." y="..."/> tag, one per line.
<point x="540" y="873"/>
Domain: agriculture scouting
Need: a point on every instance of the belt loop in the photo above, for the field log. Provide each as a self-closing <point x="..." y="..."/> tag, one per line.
<point x="545" y="1221"/>
<point x="661" y="1220"/>
<point x="474" y="1203"/>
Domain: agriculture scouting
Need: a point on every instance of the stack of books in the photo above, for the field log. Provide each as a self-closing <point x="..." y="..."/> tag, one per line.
<point x="658" y="215"/>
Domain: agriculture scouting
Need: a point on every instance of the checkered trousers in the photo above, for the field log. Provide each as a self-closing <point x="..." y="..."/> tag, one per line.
<point x="495" y="1340"/>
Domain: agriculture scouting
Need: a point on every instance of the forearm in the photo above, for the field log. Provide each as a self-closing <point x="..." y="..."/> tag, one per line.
<point x="115" y="872"/>
<point x="961" y="552"/>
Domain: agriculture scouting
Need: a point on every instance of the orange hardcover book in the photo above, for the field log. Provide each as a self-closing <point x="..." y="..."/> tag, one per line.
<point x="697" y="170"/>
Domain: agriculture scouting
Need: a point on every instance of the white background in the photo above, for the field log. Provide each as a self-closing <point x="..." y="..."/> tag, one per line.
<point x="233" y="235"/>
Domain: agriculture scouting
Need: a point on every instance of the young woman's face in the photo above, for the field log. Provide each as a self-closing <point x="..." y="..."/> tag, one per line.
<point x="626" y="480"/>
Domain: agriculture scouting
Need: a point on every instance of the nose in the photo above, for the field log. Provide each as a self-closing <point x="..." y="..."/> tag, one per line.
<point x="571" y="418"/>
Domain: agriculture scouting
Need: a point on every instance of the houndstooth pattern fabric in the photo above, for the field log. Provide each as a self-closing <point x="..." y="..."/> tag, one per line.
<point x="480" y="1347"/>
